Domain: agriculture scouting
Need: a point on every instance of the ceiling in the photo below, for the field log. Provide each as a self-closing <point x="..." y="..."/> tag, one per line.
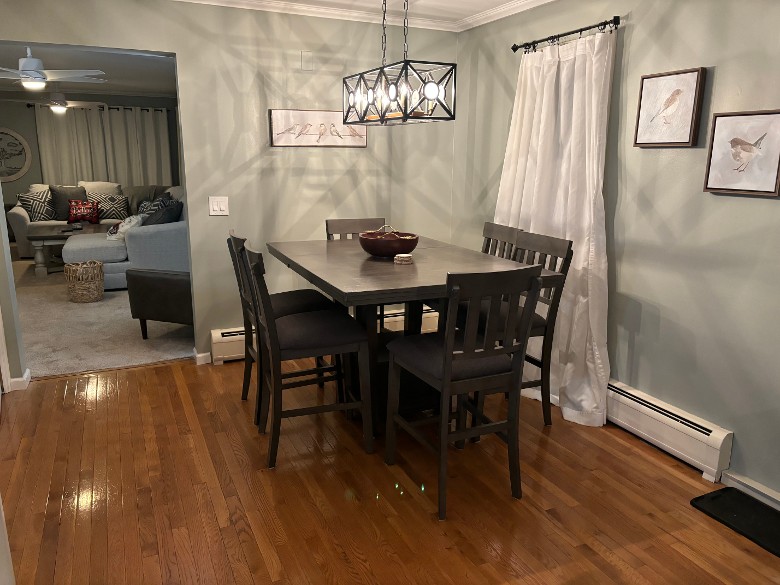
<point x="450" y="15"/>
<point x="128" y="72"/>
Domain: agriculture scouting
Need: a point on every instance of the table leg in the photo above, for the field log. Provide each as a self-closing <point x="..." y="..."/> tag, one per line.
<point x="40" y="259"/>
<point x="413" y="312"/>
<point x="366" y="315"/>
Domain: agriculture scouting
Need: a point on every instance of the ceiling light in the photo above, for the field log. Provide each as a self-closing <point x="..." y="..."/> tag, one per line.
<point x="58" y="108"/>
<point x="33" y="83"/>
<point x="406" y="91"/>
<point x="58" y="104"/>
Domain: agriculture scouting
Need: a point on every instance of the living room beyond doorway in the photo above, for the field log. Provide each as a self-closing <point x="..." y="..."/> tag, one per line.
<point x="92" y="179"/>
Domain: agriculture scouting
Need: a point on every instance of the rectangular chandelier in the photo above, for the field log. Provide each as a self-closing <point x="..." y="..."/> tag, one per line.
<point x="402" y="92"/>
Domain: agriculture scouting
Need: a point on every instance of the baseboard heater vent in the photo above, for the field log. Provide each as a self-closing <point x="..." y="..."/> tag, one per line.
<point x="697" y="442"/>
<point x="227" y="344"/>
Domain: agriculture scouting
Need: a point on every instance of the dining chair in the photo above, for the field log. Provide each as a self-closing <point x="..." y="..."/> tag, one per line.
<point x="350" y="229"/>
<point x="458" y="362"/>
<point x="303" y="335"/>
<point x="284" y="303"/>
<point x="499" y="240"/>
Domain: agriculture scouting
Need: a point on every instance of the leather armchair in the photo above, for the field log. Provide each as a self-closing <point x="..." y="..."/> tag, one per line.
<point x="159" y="295"/>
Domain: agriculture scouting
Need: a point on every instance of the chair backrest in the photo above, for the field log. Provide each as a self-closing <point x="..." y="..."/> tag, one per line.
<point x="499" y="240"/>
<point x="519" y="288"/>
<point x="261" y="301"/>
<point x="344" y="229"/>
<point x="552" y="253"/>
<point x="236" y="248"/>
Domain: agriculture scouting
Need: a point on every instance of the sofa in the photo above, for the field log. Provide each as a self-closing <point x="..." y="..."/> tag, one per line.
<point x="155" y="247"/>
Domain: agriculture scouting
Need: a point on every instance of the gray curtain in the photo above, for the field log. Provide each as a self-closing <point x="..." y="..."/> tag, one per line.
<point x="129" y="146"/>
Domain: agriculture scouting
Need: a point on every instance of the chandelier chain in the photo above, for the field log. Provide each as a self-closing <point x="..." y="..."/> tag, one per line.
<point x="384" y="33"/>
<point x="406" y="29"/>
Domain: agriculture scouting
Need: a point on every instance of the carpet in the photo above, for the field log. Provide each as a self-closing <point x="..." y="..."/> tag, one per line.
<point x="61" y="337"/>
<point x="743" y="514"/>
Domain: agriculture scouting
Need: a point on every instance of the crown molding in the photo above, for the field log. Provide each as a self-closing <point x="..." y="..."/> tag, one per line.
<point x="498" y="13"/>
<point x="328" y="12"/>
<point x="282" y="6"/>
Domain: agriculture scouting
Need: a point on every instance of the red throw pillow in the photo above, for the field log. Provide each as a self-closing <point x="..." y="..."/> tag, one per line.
<point x="83" y="211"/>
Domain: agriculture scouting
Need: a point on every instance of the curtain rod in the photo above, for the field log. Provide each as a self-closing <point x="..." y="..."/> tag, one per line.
<point x="143" y="109"/>
<point x="613" y="22"/>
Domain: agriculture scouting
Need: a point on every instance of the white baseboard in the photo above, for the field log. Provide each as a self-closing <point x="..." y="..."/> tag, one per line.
<point x="201" y="358"/>
<point x="752" y="488"/>
<point x="20" y="383"/>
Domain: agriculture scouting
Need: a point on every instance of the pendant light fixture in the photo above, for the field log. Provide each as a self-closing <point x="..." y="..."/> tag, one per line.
<point x="406" y="91"/>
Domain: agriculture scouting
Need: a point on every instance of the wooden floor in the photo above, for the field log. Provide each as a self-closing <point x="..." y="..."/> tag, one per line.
<point x="156" y="475"/>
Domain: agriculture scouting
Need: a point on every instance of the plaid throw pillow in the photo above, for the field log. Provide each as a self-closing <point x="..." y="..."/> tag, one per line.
<point x="149" y="207"/>
<point x="111" y="206"/>
<point x="38" y="205"/>
<point x="83" y="211"/>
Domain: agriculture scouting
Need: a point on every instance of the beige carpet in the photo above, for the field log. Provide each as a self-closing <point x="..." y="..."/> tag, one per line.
<point x="61" y="337"/>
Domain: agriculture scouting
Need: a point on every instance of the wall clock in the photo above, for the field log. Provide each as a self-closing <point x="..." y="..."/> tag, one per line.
<point x="15" y="156"/>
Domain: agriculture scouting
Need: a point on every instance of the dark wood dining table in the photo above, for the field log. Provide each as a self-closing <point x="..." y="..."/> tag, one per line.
<point x="343" y="271"/>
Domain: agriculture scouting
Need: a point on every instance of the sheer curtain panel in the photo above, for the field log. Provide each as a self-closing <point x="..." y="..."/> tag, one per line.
<point x="551" y="184"/>
<point x="139" y="150"/>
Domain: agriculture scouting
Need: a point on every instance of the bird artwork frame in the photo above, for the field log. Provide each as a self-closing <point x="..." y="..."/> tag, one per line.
<point x="314" y="128"/>
<point x="744" y="154"/>
<point x="669" y="111"/>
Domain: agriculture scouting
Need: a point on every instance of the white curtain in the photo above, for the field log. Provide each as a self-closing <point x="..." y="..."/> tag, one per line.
<point x="552" y="184"/>
<point x="138" y="146"/>
<point x="72" y="146"/>
<point x="129" y="146"/>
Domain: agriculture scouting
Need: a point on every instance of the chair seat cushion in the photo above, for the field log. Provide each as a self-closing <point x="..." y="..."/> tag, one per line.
<point x="425" y="354"/>
<point x="538" y="322"/>
<point x="299" y="301"/>
<point x="308" y="334"/>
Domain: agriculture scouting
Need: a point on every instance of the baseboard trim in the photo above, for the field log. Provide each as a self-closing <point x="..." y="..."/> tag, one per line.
<point x="752" y="488"/>
<point x="21" y="383"/>
<point x="201" y="359"/>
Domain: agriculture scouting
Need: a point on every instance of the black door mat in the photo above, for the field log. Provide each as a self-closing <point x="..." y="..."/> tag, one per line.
<point x="743" y="514"/>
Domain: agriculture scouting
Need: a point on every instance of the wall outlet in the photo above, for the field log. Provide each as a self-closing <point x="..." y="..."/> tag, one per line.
<point x="218" y="206"/>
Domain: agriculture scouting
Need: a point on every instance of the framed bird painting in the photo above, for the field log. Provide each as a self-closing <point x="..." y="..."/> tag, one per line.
<point x="318" y="128"/>
<point x="744" y="155"/>
<point x="670" y="109"/>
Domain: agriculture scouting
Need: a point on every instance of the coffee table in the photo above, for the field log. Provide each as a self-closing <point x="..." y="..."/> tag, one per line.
<point x="41" y="236"/>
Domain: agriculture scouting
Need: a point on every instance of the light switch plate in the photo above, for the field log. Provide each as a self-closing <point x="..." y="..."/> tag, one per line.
<point x="218" y="206"/>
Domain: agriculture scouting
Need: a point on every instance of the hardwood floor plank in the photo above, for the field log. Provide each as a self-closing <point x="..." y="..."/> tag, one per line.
<point x="157" y="475"/>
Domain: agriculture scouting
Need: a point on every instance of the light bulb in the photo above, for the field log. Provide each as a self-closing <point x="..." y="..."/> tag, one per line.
<point x="58" y="108"/>
<point x="33" y="84"/>
<point x="392" y="92"/>
<point x="351" y="98"/>
<point x="370" y="96"/>
<point x="430" y="90"/>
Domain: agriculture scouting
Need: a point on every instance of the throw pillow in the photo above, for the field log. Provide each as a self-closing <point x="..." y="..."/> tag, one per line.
<point x="61" y="195"/>
<point x="35" y="187"/>
<point x="83" y="211"/>
<point x="37" y="205"/>
<point x="101" y="187"/>
<point x="150" y="207"/>
<point x="137" y="195"/>
<point x="168" y="214"/>
<point x="111" y="206"/>
<point x="119" y="231"/>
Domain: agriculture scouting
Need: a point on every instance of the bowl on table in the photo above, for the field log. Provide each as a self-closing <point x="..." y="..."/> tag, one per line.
<point x="386" y="244"/>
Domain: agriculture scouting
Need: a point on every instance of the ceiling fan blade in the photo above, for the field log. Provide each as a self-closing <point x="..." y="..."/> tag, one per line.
<point x="62" y="74"/>
<point x="9" y="73"/>
<point x="80" y="80"/>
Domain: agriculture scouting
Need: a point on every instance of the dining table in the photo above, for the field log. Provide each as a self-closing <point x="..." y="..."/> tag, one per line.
<point x="344" y="271"/>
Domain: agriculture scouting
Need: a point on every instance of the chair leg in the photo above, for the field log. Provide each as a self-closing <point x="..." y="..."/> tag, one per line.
<point x="263" y="393"/>
<point x="276" y="422"/>
<point x="319" y="361"/>
<point x="338" y="362"/>
<point x="479" y="401"/>
<point x="444" y="431"/>
<point x="393" y="392"/>
<point x="513" y="442"/>
<point x="364" y="365"/>
<point x="545" y="388"/>
<point x="461" y="419"/>
<point x="144" y="333"/>
<point x="248" y="361"/>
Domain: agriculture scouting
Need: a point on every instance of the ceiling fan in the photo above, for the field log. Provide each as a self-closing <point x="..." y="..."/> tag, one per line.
<point x="33" y="76"/>
<point x="58" y="104"/>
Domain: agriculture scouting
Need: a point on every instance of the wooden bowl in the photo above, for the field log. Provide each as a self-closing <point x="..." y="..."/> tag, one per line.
<point x="388" y="244"/>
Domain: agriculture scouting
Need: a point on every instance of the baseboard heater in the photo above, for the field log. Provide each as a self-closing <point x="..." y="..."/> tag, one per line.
<point x="696" y="441"/>
<point x="226" y="345"/>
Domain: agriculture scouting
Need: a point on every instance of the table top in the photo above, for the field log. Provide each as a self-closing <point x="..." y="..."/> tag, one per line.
<point x="56" y="232"/>
<point x="341" y="269"/>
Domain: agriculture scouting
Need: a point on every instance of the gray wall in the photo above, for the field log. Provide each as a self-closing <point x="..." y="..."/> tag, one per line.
<point x="21" y="119"/>
<point x="694" y="279"/>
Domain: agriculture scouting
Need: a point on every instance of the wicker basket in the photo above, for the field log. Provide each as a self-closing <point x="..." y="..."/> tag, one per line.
<point x="85" y="281"/>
